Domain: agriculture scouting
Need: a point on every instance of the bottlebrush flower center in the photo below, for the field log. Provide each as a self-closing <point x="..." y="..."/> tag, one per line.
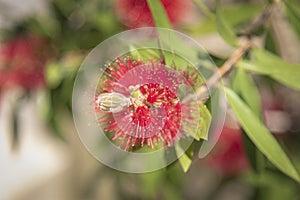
<point x="141" y="116"/>
<point x="138" y="103"/>
<point x="151" y="98"/>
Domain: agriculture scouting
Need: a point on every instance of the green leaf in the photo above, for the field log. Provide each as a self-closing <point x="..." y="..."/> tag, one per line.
<point x="292" y="12"/>
<point x="175" y="51"/>
<point x="261" y="136"/>
<point x="288" y="79"/>
<point x="208" y="25"/>
<point x="244" y="85"/>
<point x="185" y="158"/>
<point x="223" y="27"/>
<point x="204" y="124"/>
<point x="159" y="14"/>
<point x="270" y="39"/>
<point x="173" y="58"/>
<point x="198" y="131"/>
<point x="253" y="66"/>
<point x="276" y="186"/>
<point x="143" y="53"/>
<point x="165" y="39"/>
<point x="272" y="65"/>
<point x="170" y="40"/>
<point x="151" y="182"/>
<point x="274" y="62"/>
<point x="203" y="8"/>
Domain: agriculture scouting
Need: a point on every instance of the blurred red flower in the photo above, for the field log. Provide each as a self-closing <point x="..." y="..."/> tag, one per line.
<point x="136" y="13"/>
<point x="22" y="61"/>
<point x="229" y="156"/>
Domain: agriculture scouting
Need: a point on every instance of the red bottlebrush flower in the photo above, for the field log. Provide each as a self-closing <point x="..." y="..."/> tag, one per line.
<point x="136" y="13"/>
<point x="21" y="62"/>
<point x="138" y="103"/>
<point x="229" y="156"/>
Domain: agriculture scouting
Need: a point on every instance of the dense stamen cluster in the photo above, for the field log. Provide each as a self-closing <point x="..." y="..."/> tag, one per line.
<point x="138" y="104"/>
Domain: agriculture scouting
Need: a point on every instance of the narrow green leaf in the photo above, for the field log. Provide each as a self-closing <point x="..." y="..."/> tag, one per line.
<point x="143" y="53"/>
<point x="289" y="79"/>
<point x="244" y="85"/>
<point x="165" y="39"/>
<point x="203" y="8"/>
<point x="171" y="40"/>
<point x="151" y="182"/>
<point x="253" y="67"/>
<point x="198" y="131"/>
<point x="159" y="14"/>
<point x="176" y="52"/>
<point x="204" y="124"/>
<point x="261" y="136"/>
<point x="223" y="27"/>
<point x="184" y="157"/>
<point x="274" y="62"/>
<point x="172" y="58"/>
<point x="272" y="65"/>
<point x="292" y="12"/>
<point x="208" y="25"/>
<point x="276" y="186"/>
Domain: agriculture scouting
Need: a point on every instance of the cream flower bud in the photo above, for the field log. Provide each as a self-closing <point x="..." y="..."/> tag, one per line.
<point x="112" y="102"/>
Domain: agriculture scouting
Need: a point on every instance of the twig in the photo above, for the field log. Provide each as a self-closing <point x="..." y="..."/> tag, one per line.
<point x="258" y="21"/>
<point x="227" y="66"/>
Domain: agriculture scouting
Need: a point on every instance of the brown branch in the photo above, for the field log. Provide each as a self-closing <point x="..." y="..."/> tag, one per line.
<point x="220" y="72"/>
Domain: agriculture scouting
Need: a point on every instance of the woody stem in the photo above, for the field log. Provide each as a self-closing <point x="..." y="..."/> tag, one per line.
<point x="220" y="72"/>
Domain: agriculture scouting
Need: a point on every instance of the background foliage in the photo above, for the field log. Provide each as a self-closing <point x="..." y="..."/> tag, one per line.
<point x="257" y="156"/>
